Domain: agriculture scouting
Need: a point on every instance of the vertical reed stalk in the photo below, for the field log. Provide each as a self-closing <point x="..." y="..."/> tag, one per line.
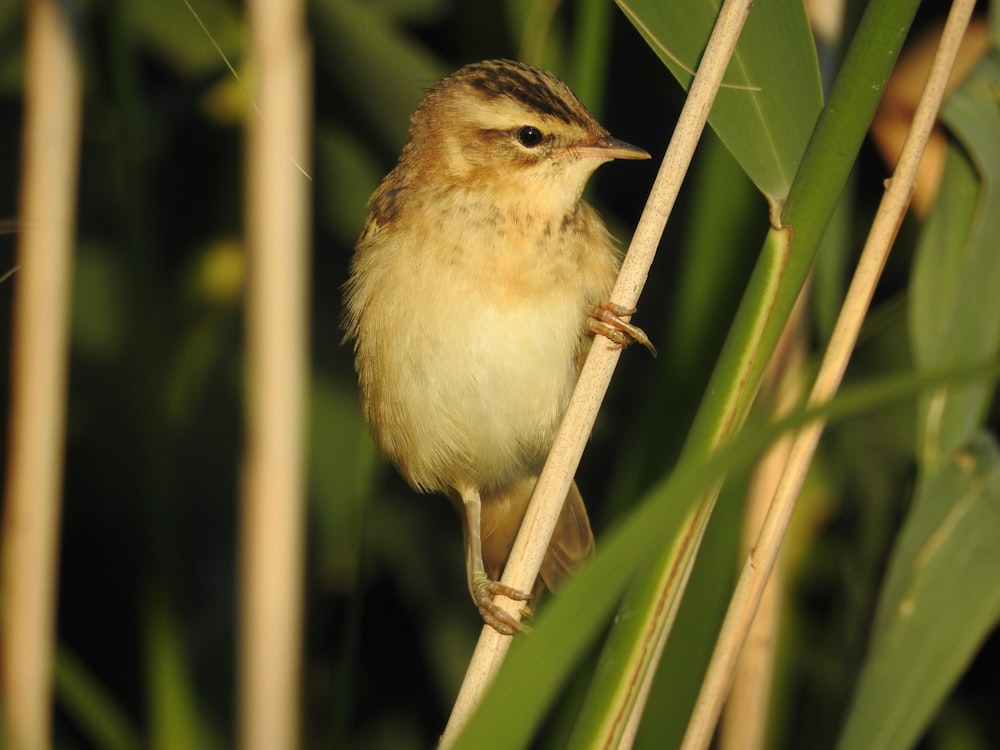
<point x="277" y="200"/>
<point x="38" y="398"/>
<point x="744" y="723"/>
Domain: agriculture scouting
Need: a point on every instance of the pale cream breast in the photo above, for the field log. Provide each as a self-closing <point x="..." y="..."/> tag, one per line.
<point x="466" y="365"/>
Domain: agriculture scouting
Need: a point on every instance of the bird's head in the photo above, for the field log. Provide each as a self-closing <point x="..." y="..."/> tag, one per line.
<point x="507" y="128"/>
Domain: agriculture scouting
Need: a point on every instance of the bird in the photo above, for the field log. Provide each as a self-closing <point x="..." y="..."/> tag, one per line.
<point x="476" y="286"/>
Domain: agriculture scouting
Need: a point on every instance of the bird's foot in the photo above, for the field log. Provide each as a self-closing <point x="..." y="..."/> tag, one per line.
<point x="608" y="320"/>
<point x="493" y="614"/>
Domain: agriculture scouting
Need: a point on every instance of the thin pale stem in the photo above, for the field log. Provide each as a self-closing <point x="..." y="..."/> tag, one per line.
<point x="761" y="560"/>
<point x="550" y="492"/>
<point x="38" y="364"/>
<point x="744" y="724"/>
<point x="273" y="495"/>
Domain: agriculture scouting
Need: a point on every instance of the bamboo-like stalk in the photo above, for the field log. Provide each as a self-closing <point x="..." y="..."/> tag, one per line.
<point x="38" y="396"/>
<point x="564" y="457"/>
<point x="760" y="562"/>
<point x="277" y="199"/>
<point x="744" y="724"/>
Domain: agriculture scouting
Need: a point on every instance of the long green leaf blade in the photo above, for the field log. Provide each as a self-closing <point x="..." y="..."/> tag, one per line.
<point x="538" y="663"/>
<point x="953" y="312"/>
<point x="940" y="601"/>
<point x="772" y="93"/>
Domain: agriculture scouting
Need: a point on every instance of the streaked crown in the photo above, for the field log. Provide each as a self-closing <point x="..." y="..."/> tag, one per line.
<point x="527" y="89"/>
<point x="491" y="120"/>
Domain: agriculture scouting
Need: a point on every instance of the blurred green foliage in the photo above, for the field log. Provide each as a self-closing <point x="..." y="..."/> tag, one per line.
<point x="147" y="624"/>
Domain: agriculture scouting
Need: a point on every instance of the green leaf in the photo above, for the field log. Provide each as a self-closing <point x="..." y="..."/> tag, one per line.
<point x="771" y="94"/>
<point x="590" y="49"/>
<point x="953" y="315"/>
<point x="539" y="664"/>
<point x="724" y="224"/>
<point x="176" y="717"/>
<point x="192" y="36"/>
<point x="340" y="160"/>
<point x="939" y="602"/>
<point x="376" y="64"/>
<point x="689" y="648"/>
<point x="91" y="707"/>
<point x="342" y="470"/>
<point x="98" y="303"/>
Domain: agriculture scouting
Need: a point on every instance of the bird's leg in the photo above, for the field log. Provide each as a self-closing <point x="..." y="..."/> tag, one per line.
<point x="480" y="586"/>
<point x="608" y="320"/>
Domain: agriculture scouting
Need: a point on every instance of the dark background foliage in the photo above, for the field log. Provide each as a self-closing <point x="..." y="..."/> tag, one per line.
<point x="154" y="433"/>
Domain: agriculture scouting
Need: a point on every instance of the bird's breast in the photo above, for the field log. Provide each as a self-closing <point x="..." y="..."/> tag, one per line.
<point x="470" y="345"/>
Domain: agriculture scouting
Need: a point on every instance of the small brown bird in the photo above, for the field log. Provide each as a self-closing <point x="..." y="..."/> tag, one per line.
<point x="475" y="284"/>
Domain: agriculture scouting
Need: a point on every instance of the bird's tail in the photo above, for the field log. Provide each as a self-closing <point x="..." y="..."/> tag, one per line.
<point x="572" y="541"/>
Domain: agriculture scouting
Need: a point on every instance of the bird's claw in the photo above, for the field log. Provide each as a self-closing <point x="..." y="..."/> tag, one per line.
<point x="493" y="614"/>
<point x="608" y="320"/>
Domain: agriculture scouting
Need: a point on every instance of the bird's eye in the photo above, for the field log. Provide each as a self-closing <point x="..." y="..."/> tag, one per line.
<point x="529" y="136"/>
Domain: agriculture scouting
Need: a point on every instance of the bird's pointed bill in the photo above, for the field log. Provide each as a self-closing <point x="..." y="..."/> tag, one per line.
<point x="607" y="147"/>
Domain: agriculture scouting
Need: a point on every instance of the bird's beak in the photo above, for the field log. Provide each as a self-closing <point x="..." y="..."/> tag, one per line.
<point x="607" y="148"/>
